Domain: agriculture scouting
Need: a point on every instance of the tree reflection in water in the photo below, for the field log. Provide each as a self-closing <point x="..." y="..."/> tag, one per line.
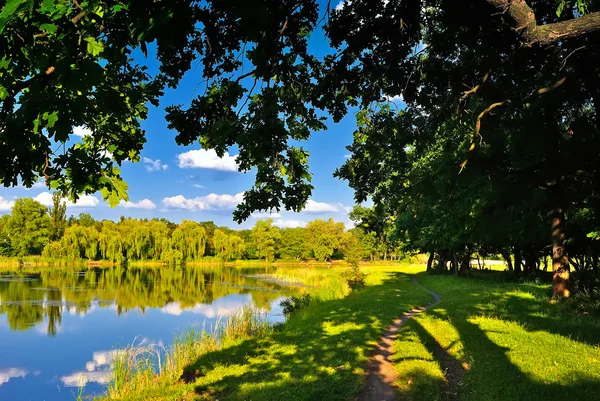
<point x="29" y="300"/>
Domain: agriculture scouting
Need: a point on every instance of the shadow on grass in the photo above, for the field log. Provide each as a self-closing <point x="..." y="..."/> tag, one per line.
<point x="498" y="372"/>
<point x="320" y="354"/>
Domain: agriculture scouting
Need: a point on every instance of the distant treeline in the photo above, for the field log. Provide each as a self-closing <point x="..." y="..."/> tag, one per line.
<point x="34" y="229"/>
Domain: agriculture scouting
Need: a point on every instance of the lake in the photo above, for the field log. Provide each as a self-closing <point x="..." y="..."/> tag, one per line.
<point x="58" y="328"/>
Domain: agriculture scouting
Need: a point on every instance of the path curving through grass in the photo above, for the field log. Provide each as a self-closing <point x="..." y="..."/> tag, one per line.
<point x="381" y="373"/>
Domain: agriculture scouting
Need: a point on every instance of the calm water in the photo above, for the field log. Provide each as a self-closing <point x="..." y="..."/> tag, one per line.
<point x="58" y="328"/>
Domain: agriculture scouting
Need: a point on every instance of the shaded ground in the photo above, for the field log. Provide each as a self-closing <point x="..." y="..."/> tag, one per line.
<point x="486" y="340"/>
<point x="493" y="340"/>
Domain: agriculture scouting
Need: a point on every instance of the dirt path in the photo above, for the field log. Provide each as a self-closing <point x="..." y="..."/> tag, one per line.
<point x="381" y="374"/>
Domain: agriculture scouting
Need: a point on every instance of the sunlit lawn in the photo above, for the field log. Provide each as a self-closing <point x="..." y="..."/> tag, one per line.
<point x="487" y="339"/>
<point x="491" y="340"/>
<point x="318" y="355"/>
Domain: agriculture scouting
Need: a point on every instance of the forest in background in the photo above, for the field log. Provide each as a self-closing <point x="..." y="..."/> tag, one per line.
<point x="34" y="229"/>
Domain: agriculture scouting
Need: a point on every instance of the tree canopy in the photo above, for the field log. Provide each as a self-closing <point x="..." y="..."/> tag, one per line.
<point x="501" y="122"/>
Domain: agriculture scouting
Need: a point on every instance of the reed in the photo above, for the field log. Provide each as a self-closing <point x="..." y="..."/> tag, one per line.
<point x="142" y="365"/>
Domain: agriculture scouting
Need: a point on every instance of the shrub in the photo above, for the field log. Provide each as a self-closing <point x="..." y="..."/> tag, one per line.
<point x="354" y="277"/>
<point x="295" y="303"/>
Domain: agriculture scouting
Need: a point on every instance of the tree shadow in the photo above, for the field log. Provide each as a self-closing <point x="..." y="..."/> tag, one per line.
<point x="320" y="354"/>
<point x="492" y="369"/>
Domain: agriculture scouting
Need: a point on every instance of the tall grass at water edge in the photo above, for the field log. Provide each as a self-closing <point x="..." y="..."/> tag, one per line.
<point x="144" y="365"/>
<point x="323" y="283"/>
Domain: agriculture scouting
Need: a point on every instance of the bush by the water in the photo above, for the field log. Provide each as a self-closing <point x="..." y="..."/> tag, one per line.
<point x="295" y="303"/>
<point x="354" y="277"/>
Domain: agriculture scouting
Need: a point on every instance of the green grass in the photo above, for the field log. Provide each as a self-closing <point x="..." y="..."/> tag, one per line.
<point x="143" y="366"/>
<point x="492" y="340"/>
<point x="319" y="353"/>
<point x="487" y="339"/>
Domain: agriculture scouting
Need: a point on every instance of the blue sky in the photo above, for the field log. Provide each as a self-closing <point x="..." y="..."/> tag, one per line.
<point x="177" y="182"/>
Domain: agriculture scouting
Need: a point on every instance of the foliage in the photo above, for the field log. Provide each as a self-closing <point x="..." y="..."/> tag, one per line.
<point x="354" y="277"/>
<point x="158" y="240"/>
<point x="28" y="227"/>
<point x="58" y="217"/>
<point x="265" y="237"/>
<point x="324" y="238"/>
<point x="69" y="65"/>
<point x="295" y="303"/>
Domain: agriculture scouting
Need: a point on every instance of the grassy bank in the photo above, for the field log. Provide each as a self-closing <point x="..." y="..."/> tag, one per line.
<point x="492" y="340"/>
<point x="142" y="366"/>
<point x="319" y="353"/>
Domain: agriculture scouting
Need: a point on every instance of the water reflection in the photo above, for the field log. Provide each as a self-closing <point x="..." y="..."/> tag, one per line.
<point x="98" y="370"/>
<point x="85" y="318"/>
<point x="10" y="373"/>
<point x="29" y="301"/>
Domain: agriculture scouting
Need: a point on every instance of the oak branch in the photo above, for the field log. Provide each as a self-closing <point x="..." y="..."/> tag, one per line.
<point x="545" y="34"/>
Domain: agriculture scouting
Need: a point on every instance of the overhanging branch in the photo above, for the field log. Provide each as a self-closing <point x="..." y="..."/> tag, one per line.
<point x="545" y="34"/>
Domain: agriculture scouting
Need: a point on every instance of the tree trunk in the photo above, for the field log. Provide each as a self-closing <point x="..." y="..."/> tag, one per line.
<point x="560" y="259"/>
<point x="518" y="260"/>
<point x="442" y="263"/>
<point x="430" y="261"/>
<point x="465" y="265"/>
<point x="506" y="255"/>
<point x="454" y="263"/>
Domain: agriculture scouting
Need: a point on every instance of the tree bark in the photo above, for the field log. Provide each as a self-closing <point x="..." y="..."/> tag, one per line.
<point x="518" y="260"/>
<point x="506" y="255"/>
<point x="430" y="261"/>
<point x="546" y="34"/>
<point x="454" y="263"/>
<point x="560" y="259"/>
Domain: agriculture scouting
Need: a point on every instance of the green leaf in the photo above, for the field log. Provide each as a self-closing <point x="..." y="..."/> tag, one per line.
<point x="94" y="47"/>
<point x="117" y="193"/>
<point x="36" y="125"/>
<point x="561" y="7"/>
<point x="8" y="11"/>
<point x="50" y="28"/>
<point x="4" y="63"/>
<point x="52" y="118"/>
<point x="3" y="93"/>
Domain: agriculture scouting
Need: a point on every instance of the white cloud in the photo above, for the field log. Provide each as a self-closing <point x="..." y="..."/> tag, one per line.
<point x="341" y="5"/>
<point x="45" y="198"/>
<point x="208" y="202"/>
<point x="10" y="373"/>
<point x="98" y="370"/>
<point x="6" y="205"/>
<point x="154" y="165"/>
<point x="347" y="156"/>
<point x="284" y="223"/>
<point x="143" y="204"/>
<point x="208" y="159"/>
<point x="262" y="215"/>
<point x="80" y="379"/>
<point x="199" y="186"/>
<point x="320" y="207"/>
<point x="37" y="184"/>
<point x="224" y="306"/>
<point x="82" y="131"/>
<point x="394" y="99"/>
